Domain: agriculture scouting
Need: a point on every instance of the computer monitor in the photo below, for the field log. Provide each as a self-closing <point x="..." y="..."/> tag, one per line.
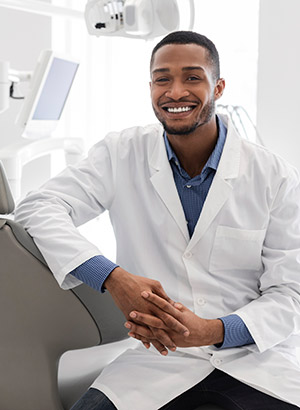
<point x="48" y="91"/>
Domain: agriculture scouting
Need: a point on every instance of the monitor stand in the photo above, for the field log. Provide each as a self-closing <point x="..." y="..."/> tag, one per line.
<point x="15" y="156"/>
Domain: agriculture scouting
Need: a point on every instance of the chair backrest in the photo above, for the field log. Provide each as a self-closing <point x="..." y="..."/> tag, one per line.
<point x="39" y="321"/>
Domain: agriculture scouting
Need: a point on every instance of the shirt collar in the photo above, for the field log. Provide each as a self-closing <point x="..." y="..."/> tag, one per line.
<point x="214" y="159"/>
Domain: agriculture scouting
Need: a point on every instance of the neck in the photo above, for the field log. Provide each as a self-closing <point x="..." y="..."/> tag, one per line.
<point x="194" y="149"/>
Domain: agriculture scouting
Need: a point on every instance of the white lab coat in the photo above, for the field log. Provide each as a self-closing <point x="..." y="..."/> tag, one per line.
<point x="243" y="258"/>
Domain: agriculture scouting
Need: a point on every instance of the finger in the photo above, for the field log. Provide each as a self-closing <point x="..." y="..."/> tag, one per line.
<point x="166" y="322"/>
<point x="161" y="303"/>
<point x="159" y="290"/>
<point x="142" y="331"/>
<point x="175" y="304"/>
<point x="172" y="323"/>
<point x="178" y="306"/>
<point x="169" y="314"/>
<point x="151" y="334"/>
<point x="159" y="347"/>
<point x="163" y="337"/>
<point x="145" y="342"/>
<point x="147" y="319"/>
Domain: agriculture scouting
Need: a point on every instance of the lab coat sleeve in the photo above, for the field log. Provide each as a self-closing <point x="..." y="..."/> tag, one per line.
<point x="274" y="317"/>
<point x="77" y="195"/>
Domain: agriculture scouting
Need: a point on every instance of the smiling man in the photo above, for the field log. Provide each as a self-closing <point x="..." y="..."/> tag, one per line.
<point x="208" y="248"/>
<point x="185" y="85"/>
<point x="195" y="86"/>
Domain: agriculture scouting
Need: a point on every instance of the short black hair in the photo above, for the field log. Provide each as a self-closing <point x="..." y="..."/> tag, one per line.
<point x="190" y="37"/>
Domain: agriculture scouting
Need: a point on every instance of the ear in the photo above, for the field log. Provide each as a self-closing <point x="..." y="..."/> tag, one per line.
<point x="219" y="88"/>
<point x="150" y="85"/>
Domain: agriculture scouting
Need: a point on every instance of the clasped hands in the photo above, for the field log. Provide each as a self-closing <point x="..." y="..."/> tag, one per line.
<point x="180" y="327"/>
<point x="153" y="318"/>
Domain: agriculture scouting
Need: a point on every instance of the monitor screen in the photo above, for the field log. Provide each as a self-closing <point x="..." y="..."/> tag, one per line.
<point x="55" y="90"/>
<point x="49" y="88"/>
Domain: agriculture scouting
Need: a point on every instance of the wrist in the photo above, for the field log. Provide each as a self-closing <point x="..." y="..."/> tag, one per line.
<point x="216" y="331"/>
<point x="114" y="277"/>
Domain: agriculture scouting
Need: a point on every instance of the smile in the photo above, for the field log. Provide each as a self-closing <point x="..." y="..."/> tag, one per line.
<point x="178" y="109"/>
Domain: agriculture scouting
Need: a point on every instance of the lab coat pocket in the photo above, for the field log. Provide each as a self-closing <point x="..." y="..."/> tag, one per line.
<point x="237" y="249"/>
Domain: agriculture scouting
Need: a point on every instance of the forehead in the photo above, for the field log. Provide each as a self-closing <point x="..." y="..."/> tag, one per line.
<point x="173" y="56"/>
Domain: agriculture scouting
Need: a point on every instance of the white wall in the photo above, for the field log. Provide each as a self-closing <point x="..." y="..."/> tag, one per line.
<point x="233" y="26"/>
<point x="278" y="87"/>
<point x="22" y="36"/>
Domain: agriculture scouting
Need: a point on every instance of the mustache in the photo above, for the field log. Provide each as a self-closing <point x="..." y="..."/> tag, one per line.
<point x="181" y="100"/>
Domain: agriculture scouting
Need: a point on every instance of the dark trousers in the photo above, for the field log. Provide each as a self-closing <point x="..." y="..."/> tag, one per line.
<point x="218" y="388"/>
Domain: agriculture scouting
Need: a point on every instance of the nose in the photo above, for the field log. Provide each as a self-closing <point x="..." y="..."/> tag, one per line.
<point x="177" y="90"/>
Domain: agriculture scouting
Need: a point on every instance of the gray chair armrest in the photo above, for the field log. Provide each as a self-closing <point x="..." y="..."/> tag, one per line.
<point x="108" y="318"/>
<point x="7" y="204"/>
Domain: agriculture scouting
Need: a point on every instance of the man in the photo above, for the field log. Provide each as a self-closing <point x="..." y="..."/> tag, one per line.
<point x="208" y="248"/>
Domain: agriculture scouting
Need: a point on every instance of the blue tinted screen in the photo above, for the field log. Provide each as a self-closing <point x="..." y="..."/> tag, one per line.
<point x="55" y="90"/>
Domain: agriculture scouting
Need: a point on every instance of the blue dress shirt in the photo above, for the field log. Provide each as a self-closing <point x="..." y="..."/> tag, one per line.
<point x="192" y="193"/>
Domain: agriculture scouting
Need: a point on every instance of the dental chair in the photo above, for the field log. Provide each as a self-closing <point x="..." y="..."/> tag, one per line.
<point x="42" y="326"/>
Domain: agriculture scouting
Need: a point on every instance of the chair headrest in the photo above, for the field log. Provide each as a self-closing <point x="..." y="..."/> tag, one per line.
<point x="7" y="204"/>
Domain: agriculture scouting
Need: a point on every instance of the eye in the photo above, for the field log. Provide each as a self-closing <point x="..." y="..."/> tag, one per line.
<point x="161" y="80"/>
<point x="193" y="78"/>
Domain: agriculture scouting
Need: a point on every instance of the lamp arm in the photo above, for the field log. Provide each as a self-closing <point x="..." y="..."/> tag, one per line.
<point x="192" y="14"/>
<point x="4" y="86"/>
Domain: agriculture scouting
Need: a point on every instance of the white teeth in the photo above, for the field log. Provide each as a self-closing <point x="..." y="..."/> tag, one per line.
<point x="179" y="109"/>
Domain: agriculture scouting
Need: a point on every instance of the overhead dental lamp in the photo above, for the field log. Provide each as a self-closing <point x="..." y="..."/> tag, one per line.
<point x="144" y="19"/>
<point x="134" y="18"/>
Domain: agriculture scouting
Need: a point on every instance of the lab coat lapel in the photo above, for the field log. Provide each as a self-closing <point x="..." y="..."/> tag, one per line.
<point x="221" y="187"/>
<point x="164" y="184"/>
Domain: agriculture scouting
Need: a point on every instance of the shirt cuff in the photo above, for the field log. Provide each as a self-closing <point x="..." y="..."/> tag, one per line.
<point x="94" y="271"/>
<point x="236" y="332"/>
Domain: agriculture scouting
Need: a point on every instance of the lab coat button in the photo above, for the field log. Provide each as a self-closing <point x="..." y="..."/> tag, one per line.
<point x="217" y="362"/>
<point x="201" y="302"/>
<point x="188" y="255"/>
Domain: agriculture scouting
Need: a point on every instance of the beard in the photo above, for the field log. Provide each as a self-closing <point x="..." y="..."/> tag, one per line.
<point x="205" y="116"/>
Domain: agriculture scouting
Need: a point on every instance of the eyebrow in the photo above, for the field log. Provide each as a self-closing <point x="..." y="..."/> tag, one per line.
<point x="164" y="70"/>
<point x="192" y="68"/>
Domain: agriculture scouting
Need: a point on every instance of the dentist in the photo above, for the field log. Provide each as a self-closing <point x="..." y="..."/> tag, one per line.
<point x="208" y="248"/>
